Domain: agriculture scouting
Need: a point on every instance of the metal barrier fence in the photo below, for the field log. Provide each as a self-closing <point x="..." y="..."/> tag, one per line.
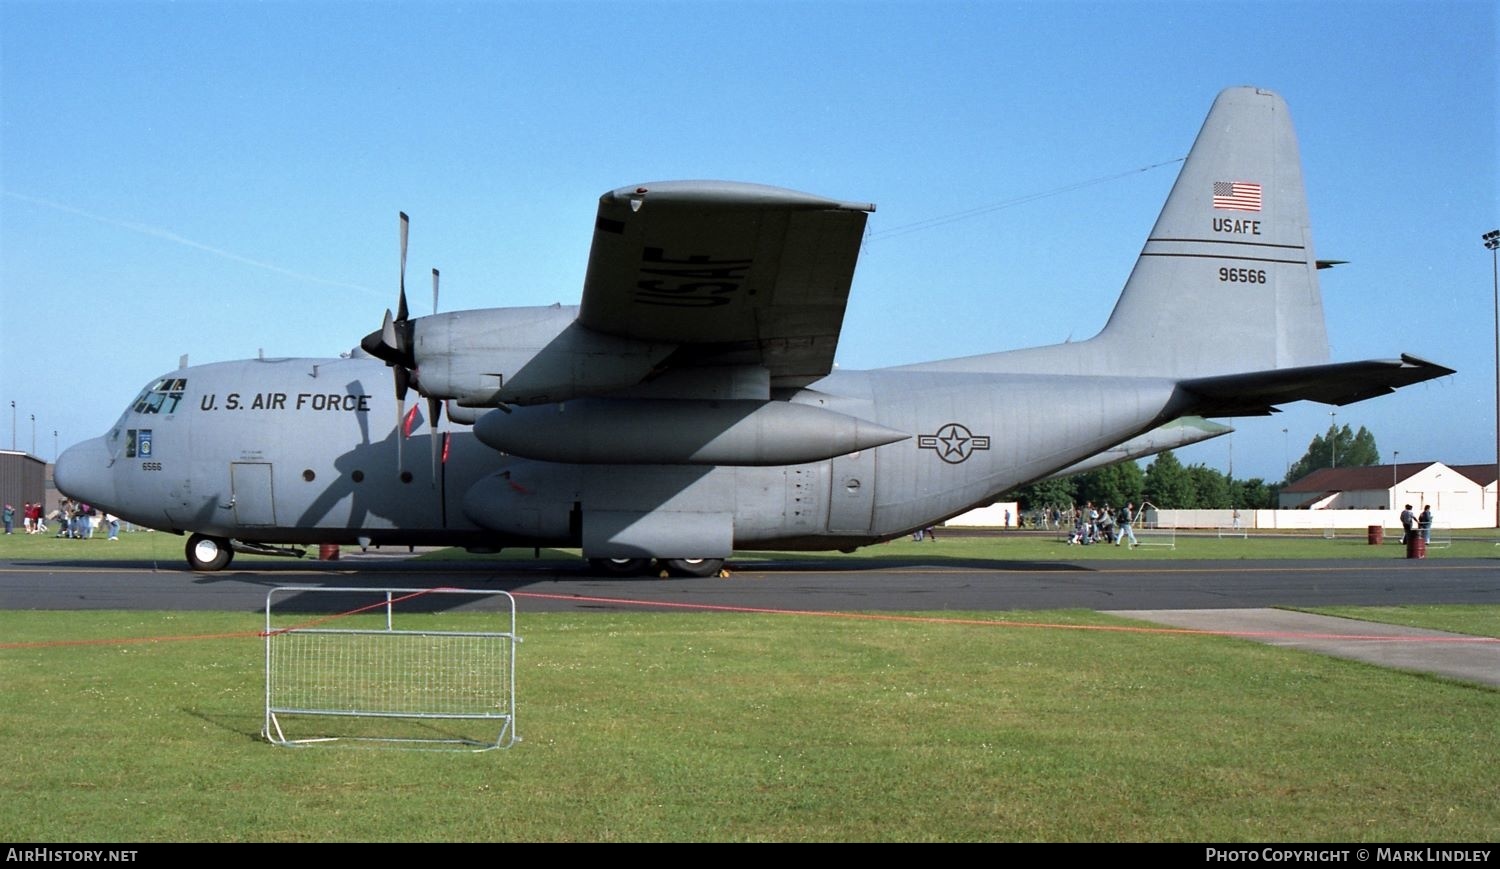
<point x="338" y="668"/>
<point x="1152" y="535"/>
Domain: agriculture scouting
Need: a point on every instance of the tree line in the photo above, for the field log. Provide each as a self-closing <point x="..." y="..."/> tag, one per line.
<point x="1170" y="485"/>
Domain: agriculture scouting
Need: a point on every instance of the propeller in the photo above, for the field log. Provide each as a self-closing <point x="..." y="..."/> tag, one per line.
<point x="393" y="342"/>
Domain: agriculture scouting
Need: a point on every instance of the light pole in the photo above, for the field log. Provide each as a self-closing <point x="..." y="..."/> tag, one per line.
<point x="12" y="426"/>
<point x="1395" y="463"/>
<point x="1333" y="437"/>
<point x="54" y="446"/>
<point x="1491" y="242"/>
<point x="1286" y="455"/>
<point x="33" y="434"/>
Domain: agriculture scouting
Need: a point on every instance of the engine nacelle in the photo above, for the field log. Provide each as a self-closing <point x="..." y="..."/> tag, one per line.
<point x="680" y="432"/>
<point x="523" y="356"/>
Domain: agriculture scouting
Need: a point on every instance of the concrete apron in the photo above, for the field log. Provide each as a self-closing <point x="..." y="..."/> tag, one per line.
<point x="1456" y="656"/>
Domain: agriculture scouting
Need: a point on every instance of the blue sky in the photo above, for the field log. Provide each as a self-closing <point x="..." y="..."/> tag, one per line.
<point x="219" y="179"/>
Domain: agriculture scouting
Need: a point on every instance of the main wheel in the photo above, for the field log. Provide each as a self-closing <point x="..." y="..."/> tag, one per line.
<point x="619" y="566"/>
<point x="691" y="566"/>
<point x="208" y="553"/>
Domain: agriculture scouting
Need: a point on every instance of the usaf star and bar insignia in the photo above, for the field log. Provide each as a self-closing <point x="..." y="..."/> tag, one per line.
<point x="953" y="443"/>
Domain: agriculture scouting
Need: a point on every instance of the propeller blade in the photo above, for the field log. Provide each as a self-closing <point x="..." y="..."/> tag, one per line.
<point x="401" y="312"/>
<point x="434" y="412"/>
<point x="434" y="290"/>
<point x="400" y="418"/>
<point x="388" y="332"/>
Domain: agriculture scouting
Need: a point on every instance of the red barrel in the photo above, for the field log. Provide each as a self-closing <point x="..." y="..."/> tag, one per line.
<point x="1376" y="534"/>
<point x="328" y="551"/>
<point x="1416" y="547"/>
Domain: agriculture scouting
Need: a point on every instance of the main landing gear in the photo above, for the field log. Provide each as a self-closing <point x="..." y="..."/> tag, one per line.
<point x="692" y="567"/>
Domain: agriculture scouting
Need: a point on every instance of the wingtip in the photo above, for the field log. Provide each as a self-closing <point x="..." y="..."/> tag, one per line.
<point x="1418" y="362"/>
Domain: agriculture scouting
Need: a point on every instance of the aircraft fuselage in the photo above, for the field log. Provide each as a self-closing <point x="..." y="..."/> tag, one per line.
<point x="311" y="451"/>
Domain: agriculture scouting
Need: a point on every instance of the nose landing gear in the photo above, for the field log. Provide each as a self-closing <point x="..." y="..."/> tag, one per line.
<point x="208" y="553"/>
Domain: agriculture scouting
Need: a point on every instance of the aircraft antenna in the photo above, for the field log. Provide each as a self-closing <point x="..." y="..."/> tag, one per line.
<point x="955" y="217"/>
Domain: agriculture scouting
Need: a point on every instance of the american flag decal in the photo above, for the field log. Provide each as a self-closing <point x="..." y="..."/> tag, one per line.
<point x="1237" y="195"/>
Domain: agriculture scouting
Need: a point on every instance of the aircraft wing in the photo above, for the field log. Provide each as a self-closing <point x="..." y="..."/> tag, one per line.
<point x="740" y="274"/>
<point x="1258" y="393"/>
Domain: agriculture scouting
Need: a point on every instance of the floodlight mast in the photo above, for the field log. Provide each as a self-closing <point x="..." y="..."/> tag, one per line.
<point x="1492" y="242"/>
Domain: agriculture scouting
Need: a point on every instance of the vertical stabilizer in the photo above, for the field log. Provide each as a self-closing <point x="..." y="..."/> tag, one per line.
<point x="1227" y="281"/>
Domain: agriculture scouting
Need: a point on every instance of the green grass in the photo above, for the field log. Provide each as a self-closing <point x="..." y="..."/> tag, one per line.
<point x="673" y="727"/>
<point x="952" y="546"/>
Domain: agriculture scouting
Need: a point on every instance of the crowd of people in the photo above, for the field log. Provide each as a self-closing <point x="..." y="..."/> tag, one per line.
<point x="1101" y="525"/>
<point x="74" y="519"/>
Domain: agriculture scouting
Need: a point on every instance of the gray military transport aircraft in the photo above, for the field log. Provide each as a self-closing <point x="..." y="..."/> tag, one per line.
<point x="689" y="405"/>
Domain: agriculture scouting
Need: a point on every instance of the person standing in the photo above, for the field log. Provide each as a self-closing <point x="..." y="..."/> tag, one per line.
<point x="1424" y="524"/>
<point x="1124" y="521"/>
<point x="10" y="519"/>
<point x="1408" y="522"/>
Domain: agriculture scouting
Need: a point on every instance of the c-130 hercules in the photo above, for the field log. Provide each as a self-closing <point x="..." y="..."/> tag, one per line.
<point x="688" y="406"/>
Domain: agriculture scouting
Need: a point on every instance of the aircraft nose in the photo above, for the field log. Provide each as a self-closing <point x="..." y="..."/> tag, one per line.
<point x="83" y="473"/>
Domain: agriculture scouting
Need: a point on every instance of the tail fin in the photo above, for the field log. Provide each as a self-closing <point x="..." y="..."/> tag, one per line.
<point x="1227" y="281"/>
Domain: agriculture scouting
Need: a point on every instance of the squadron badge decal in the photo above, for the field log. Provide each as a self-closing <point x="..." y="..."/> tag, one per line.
<point x="953" y="443"/>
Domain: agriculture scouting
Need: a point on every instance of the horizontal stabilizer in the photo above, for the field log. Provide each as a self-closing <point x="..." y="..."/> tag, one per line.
<point x="1258" y="393"/>
<point x="1179" y="432"/>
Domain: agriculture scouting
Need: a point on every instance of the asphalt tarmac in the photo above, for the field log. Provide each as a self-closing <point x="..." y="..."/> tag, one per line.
<point x="1237" y="598"/>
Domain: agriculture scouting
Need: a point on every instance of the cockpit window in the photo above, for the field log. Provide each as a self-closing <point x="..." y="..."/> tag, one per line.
<point x="161" y="396"/>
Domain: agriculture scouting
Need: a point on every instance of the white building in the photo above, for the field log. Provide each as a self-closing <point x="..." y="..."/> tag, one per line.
<point x="1463" y="496"/>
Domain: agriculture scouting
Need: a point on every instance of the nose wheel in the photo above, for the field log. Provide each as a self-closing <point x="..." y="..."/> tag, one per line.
<point x="208" y="553"/>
